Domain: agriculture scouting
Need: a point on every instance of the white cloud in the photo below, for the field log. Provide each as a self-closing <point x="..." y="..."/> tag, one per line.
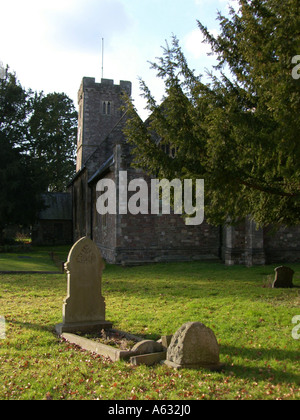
<point x="53" y="44"/>
<point x="195" y="45"/>
<point x="83" y="26"/>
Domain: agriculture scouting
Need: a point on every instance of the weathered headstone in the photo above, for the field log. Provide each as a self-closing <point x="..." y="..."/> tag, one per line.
<point x="194" y="346"/>
<point x="84" y="307"/>
<point x="283" y="278"/>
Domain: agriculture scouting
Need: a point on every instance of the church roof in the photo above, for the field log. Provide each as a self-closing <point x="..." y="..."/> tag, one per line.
<point x="102" y="170"/>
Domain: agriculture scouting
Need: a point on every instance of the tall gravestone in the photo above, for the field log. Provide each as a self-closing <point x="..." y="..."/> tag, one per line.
<point x="84" y="307"/>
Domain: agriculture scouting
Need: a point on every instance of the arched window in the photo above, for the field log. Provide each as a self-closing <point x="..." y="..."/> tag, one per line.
<point x="107" y="107"/>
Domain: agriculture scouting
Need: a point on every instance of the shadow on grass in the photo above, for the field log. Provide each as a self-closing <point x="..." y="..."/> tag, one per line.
<point x="246" y="355"/>
<point x="261" y="373"/>
<point x="34" y="326"/>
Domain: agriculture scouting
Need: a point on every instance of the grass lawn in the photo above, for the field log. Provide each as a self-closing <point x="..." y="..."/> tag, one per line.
<point x="38" y="259"/>
<point x="253" y="326"/>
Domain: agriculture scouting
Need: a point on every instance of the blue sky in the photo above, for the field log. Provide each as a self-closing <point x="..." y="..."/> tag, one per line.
<point x="52" y="44"/>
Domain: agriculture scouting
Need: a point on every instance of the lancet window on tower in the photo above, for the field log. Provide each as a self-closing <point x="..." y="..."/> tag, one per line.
<point x="106" y="107"/>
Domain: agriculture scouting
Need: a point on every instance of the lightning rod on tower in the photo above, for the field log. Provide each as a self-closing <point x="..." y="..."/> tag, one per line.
<point x="102" y="56"/>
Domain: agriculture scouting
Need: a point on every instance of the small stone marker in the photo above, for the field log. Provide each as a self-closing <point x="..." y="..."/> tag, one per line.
<point x="148" y="359"/>
<point x="283" y="278"/>
<point x="84" y="307"/>
<point x="194" y="346"/>
<point x="147" y="352"/>
<point x="147" y="347"/>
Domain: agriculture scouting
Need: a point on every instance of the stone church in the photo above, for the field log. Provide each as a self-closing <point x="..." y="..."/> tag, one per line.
<point x="102" y="152"/>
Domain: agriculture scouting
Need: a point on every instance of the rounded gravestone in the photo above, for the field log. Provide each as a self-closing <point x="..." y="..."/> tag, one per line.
<point x="283" y="278"/>
<point x="194" y="346"/>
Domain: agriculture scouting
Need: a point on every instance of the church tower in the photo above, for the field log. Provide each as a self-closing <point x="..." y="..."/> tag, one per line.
<point x="99" y="112"/>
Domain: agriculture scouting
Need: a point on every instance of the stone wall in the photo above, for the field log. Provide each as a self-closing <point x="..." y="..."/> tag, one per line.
<point x="81" y="206"/>
<point x="105" y="228"/>
<point x="135" y="239"/>
<point x="282" y="245"/>
<point x="162" y="238"/>
<point x="233" y="244"/>
<point x="245" y="244"/>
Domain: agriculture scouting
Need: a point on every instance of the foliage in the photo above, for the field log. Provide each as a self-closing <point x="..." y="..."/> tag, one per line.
<point x="14" y="110"/>
<point x="21" y="185"/>
<point x="253" y="326"/>
<point x="240" y="132"/>
<point x="52" y="140"/>
<point x="38" y="141"/>
<point x="21" y="178"/>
